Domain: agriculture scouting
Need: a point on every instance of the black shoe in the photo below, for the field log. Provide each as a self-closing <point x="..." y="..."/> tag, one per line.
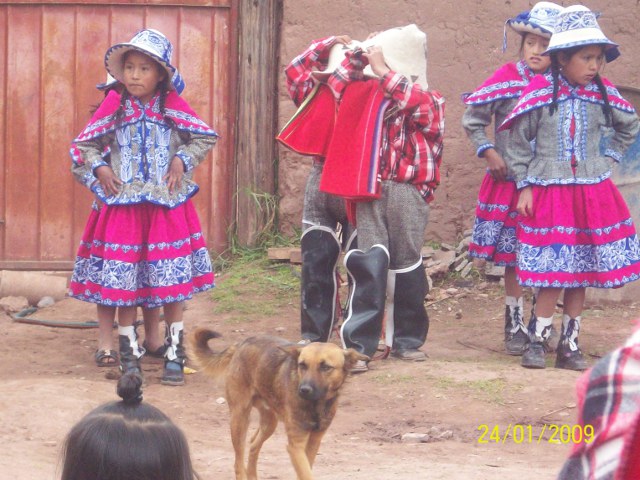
<point x="533" y="357"/>
<point x="173" y="373"/>
<point x="409" y="354"/>
<point x="570" y="359"/>
<point x="516" y="343"/>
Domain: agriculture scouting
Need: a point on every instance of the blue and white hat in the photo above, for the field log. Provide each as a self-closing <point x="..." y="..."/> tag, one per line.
<point x="150" y="42"/>
<point x="577" y="26"/>
<point x="539" y="20"/>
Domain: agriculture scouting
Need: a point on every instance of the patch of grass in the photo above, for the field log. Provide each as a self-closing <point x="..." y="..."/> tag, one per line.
<point x="491" y="391"/>
<point x="251" y="285"/>
<point x="391" y="379"/>
<point x="445" y="383"/>
<point x="248" y="284"/>
<point x="434" y="244"/>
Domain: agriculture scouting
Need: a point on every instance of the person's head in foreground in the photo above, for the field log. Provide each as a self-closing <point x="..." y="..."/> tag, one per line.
<point x="126" y="440"/>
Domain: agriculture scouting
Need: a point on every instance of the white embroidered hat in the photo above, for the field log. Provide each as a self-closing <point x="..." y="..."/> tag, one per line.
<point x="577" y="26"/>
<point x="404" y="50"/>
<point x="539" y="20"/>
<point x="150" y="42"/>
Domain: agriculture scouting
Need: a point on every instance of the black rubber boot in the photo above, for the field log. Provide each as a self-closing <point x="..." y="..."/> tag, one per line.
<point x="410" y="322"/>
<point x="368" y="272"/>
<point x="349" y="242"/>
<point x="175" y="357"/>
<point x="320" y="250"/>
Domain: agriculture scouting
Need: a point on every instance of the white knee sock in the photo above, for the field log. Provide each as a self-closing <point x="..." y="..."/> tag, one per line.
<point x="540" y="328"/>
<point x="130" y="333"/>
<point x="514" y="306"/>
<point x="175" y="331"/>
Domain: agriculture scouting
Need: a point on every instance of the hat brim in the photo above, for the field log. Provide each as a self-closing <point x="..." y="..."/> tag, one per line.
<point x="570" y="39"/>
<point x="114" y="63"/>
<point x="524" y="27"/>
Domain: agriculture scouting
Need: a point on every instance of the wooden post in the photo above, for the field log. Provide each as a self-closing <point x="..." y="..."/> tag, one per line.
<point x="258" y="60"/>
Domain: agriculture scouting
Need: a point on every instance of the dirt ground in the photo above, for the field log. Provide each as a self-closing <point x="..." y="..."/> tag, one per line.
<point x="50" y="382"/>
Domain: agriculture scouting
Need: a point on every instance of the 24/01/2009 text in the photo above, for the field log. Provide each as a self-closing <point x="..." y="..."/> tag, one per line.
<point x="548" y="432"/>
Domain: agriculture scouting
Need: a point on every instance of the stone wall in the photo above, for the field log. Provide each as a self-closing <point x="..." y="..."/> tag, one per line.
<point x="464" y="40"/>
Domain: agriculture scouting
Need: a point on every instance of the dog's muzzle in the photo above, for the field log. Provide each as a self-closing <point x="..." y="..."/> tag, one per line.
<point x="308" y="391"/>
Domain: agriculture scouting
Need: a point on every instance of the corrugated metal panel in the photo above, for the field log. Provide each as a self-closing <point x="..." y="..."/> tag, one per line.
<point x="52" y="59"/>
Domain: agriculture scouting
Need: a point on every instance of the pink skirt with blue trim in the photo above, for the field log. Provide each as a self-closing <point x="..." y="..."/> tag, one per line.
<point x="494" y="229"/>
<point x="141" y="255"/>
<point x="578" y="236"/>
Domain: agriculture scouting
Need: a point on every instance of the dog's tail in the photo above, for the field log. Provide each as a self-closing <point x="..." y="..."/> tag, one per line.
<point x="210" y="362"/>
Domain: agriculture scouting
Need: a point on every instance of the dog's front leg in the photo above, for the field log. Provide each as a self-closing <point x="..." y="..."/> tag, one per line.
<point x="313" y="445"/>
<point x="296" y="447"/>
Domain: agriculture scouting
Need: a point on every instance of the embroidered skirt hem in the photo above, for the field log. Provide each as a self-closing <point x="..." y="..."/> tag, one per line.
<point x="579" y="236"/>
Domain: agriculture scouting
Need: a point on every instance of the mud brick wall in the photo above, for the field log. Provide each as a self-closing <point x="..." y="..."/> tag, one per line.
<point x="464" y="41"/>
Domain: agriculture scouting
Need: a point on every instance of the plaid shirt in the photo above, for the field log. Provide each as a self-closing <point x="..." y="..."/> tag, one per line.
<point x="609" y="401"/>
<point x="411" y="150"/>
<point x="298" y="72"/>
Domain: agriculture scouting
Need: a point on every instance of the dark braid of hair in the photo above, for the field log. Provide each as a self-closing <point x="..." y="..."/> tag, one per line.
<point x="555" y="73"/>
<point x="124" y="96"/>
<point x="606" y="107"/>
<point x="164" y="91"/>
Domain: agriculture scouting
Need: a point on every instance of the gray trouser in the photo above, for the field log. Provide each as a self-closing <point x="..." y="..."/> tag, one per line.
<point x="396" y="220"/>
<point x="321" y="209"/>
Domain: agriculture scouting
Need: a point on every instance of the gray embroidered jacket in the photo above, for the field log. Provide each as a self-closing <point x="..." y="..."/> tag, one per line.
<point x="594" y="143"/>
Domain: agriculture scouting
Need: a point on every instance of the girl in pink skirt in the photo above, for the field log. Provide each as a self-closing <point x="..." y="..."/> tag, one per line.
<point x="575" y="230"/>
<point x="494" y="230"/>
<point x="146" y="248"/>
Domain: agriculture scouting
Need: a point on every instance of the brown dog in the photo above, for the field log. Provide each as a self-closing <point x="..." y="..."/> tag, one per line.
<point x="296" y="384"/>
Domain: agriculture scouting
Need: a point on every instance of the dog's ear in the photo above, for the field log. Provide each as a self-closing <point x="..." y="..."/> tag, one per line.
<point x="351" y="356"/>
<point x="292" y="350"/>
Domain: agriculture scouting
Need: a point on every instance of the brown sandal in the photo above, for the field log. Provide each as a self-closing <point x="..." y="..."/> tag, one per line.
<point x="106" y="358"/>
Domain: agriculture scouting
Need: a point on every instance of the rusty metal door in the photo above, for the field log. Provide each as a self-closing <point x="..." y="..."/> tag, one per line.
<point x="51" y="59"/>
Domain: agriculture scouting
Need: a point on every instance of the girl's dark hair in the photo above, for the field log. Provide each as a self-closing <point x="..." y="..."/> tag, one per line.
<point x="555" y="72"/>
<point x="126" y="439"/>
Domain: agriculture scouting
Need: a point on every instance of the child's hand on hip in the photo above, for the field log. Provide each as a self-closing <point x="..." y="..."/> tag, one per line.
<point x="108" y="180"/>
<point x="174" y="176"/>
